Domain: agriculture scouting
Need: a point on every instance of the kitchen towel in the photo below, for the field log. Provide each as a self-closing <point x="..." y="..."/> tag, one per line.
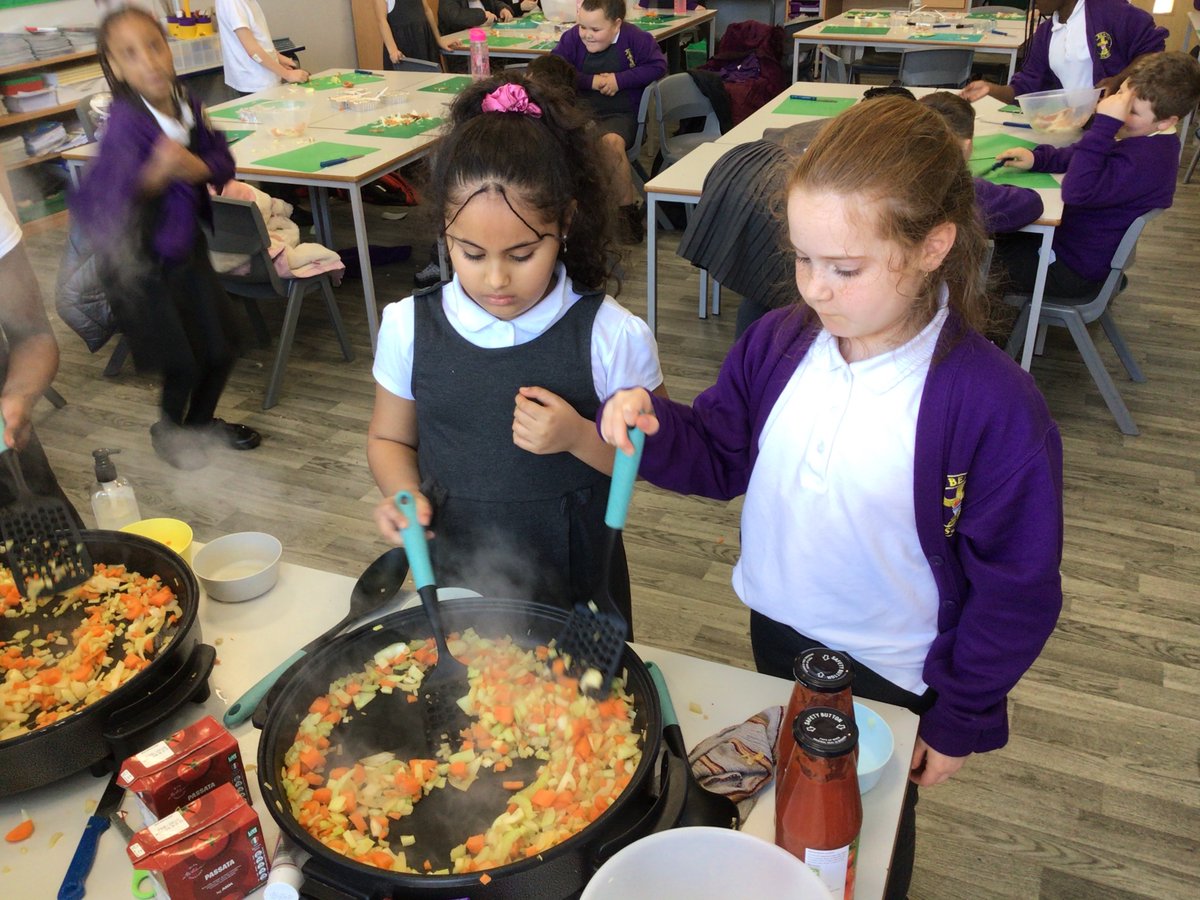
<point x="739" y="761"/>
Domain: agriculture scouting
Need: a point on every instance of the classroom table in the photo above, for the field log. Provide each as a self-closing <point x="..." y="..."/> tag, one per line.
<point x="250" y="642"/>
<point x="538" y="36"/>
<point x="382" y="153"/>
<point x="684" y="181"/>
<point x="873" y="29"/>
<point x="1193" y="28"/>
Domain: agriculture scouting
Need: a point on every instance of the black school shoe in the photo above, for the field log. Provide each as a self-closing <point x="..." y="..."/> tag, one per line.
<point x="232" y="434"/>
<point x="631" y="223"/>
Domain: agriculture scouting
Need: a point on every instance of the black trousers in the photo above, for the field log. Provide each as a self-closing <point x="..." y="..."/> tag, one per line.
<point x="775" y="647"/>
<point x="1017" y="256"/>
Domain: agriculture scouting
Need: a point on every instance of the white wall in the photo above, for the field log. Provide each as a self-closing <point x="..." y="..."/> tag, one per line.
<point x="323" y="26"/>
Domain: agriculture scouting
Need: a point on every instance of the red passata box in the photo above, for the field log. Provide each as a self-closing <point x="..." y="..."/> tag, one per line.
<point x="211" y="848"/>
<point x="187" y="765"/>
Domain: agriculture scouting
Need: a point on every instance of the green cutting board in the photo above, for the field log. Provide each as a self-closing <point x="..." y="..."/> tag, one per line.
<point x="868" y="13"/>
<point x="231" y="112"/>
<point x="233" y="135"/>
<point x="830" y="107"/>
<point x="499" y="40"/>
<point x="309" y="157"/>
<point x="983" y="157"/>
<point x="329" y="82"/>
<point x="449" y="86"/>
<point x="1017" y="178"/>
<point x="544" y="45"/>
<point x="982" y="14"/>
<point x="653" y="23"/>
<point x="947" y="38"/>
<point x="1012" y="109"/>
<point x="853" y="29"/>
<point x="397" y="131"/>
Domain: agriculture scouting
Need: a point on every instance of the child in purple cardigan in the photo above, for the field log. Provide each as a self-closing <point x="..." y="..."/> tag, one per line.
<point x="616" y="61"/>
<point x="141" y="204"/>
<point x="902" y="476"/>
<point x="1122" y="167"/>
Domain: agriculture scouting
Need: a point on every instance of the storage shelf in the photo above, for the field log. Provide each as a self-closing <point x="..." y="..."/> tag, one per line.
<point x="45" y="63"/>
<point x="34" y="160"/>
<point x="33" y="226"/>
<point x="32" y="115"/>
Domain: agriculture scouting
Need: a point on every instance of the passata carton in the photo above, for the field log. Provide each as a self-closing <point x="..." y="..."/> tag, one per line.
<point x="211" y="849"/>
<point x="187" y="765"/>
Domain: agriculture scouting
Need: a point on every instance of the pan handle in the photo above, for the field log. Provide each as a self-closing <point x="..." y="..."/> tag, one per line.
<point x="664" y="813"/>
<point x="182" y="685"/>
<point x="243" y="708"/>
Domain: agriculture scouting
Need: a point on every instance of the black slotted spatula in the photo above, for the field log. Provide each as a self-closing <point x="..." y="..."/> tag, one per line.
<point x="594" y="636"/>
<point x="41" y="543"/>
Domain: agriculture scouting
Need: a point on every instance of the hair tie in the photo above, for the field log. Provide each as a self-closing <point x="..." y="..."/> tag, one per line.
<point x="511" y="98"/>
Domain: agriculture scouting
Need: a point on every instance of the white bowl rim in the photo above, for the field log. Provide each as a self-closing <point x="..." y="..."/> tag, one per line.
<point x="859" y="710"/>
<point x="267" y="563"/>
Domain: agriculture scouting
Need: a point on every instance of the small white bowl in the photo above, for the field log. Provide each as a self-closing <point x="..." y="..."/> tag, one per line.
<point x="875" y="746"/>
<point x="703" y="863"/>
<point x="239" y="566"/>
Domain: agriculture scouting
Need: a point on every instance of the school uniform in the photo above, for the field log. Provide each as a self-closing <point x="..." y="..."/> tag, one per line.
<point x="1111" y="35"/>
<point x="1108" y="184"/>
<point x="637" y="61"/>
<point x="986" y="506"/>
<point x="509" y="522"/>
<point x="242" y="73"/>
<point x="410" y="31"/>
<point x="1006" y="207"/>
<point x="455" y="15"/>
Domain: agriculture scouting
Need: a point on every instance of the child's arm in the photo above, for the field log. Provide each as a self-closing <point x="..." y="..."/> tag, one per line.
<point x="275" y="63"/>
<point x="385" y="31"/>
<point x="171" y="161"/>
<point x="650" y="64"/>
<point x="392" y="456"/>
<point x="1006" y="207"/>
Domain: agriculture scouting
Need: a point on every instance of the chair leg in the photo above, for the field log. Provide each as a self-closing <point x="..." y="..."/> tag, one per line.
<point x="56" y="399"/>
<point x="335" y="316"/>
<point x="1016" y="340"/>
<point x="290" y="318"/>
<point x="716" y="297"/>
<point x="702" y="309"/>
<point x="1039" y="346"/>
<point x="1095" y="365"/>
<point x="1123" y="353"/>
<point x="257" y="323"/>
<point x="117" y="360"/>
<point x="1192" y="165"/>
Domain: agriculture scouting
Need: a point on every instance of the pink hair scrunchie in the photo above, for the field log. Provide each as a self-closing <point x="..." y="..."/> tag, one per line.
<point x="511" y="98"/>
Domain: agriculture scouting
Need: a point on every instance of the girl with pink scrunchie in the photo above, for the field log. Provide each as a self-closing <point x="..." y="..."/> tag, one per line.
<point x="487" y="385"/>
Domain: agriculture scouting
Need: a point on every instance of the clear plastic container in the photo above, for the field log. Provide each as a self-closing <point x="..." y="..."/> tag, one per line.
<point x="1059" y="116"/>
<point x="481" y="65"/>
<point x="285" y="118"/>
<point x="560" y="10"/>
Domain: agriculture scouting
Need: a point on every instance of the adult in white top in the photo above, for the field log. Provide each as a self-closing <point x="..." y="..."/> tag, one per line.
<point x="623" y="350"/>
<point x="251" y="63"/>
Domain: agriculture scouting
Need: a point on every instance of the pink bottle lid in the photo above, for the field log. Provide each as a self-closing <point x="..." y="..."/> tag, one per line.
<point x="478" y="34"/>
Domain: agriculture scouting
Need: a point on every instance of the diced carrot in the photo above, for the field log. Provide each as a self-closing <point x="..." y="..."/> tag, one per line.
<point x="380" y="858"/>
<point x="544" y="798"/>
<point x="320" y="705"/>
<point x="583" y="749"/>
<point x="512" y="785"/>
<point x="353" y="688"/>
<point x="475" y="844"/>
<point x="485" y="879"/>
<point x="322" y="795"/>
<point x="458" y="769"/>
<point x="21" y="832"/>
<point x="359" y="822"/>
<point x="504" y="714"/>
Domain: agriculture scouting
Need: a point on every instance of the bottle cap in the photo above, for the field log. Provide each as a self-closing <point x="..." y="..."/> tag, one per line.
<point x="823" y="670"/>
<point x="825" y="732"/>
<point x="478" y="34"/>
<point x="105" y="470"/>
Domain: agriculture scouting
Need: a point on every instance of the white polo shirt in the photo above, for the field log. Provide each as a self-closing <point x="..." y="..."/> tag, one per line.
<point x="10" y="231"/>
<point x="241" y="72"/>
<point x="1069" y="56"/>
<point x="623" y="354"/>
<point x="829" y="531"/>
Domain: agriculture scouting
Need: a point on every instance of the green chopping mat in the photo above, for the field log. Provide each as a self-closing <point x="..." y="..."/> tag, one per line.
<point x="947" y="38"/>
<point x="829" y="107"/>
<point x="1017" y="178"/>
<point x="853" y="29"/>
<point x="449" y="86"/>
<point x="231" y="112"/>
<point x="233" y="135"/>
<point x="309" y="157"/>
<point x="397" y="131"/>
<point x="544" y="45"/>
<point x="329" y="82"/>
<point x="983" y="157"/>
<point x="988" y="145"/>
<point x="868" y="13"/>
<point x="522" y="24"/>
<point x="496" y="40"/>
<point x="1013" y="109"/>
<point x="981" y="14"/>
<point x="653" y="23"/>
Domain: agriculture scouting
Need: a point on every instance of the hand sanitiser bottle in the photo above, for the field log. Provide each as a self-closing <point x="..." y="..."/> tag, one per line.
<point x="113" y="501"/>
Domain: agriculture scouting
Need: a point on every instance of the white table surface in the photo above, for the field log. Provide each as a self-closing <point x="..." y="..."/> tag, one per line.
<point x="900" y="37"/>
<point x="252" y="638"/>
<point x="684" y="181"/>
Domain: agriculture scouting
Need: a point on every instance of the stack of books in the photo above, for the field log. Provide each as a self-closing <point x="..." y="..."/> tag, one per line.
<point x="49" y="43"/>
<point x="44" y="137"/>
<point x="82" y="37"/>
<point x="14" y="50"/>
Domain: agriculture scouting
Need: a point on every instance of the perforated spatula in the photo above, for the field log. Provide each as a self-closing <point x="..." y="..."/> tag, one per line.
<point x="41" y="543"/>
<point x="594" y="637"/>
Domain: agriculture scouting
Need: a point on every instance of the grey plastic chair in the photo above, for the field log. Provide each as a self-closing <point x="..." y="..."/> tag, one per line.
<point x="238" y="227"/>
<point x="86" y="114"/>
<point x="936" y="68"/>
<point x="1075" y="317"/>
<point x="833" y="64"/>
<point x="676" y="97"/>
<point x="1191" y="169"/>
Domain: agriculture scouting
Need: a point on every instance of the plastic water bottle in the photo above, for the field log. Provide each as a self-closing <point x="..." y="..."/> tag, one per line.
<point x="481" y="66"/>
<point x="680" y="7"/>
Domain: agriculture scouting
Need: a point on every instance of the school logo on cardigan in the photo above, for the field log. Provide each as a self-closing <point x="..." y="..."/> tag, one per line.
<point x="629" y="56"/>
<point x="1104" y="44"/>
<point x="952" y="499"/>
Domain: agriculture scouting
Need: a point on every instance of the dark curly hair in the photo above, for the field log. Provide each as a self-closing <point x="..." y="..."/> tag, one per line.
<point x="548" y="163"/>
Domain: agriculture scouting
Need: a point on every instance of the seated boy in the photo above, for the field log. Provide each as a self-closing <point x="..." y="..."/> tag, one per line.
<point x="1122" y="167"/>
<point x="615" y="62"/>
<point x="1004" y="207"/>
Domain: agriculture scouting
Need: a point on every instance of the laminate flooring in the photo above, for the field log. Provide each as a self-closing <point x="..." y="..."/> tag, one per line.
<point x="1097" y="794"/>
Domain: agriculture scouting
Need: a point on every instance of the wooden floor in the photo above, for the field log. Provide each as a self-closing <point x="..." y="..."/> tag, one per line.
<point x="1096" y="796"/>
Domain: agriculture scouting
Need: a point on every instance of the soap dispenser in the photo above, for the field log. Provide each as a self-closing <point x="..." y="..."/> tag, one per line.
<point x="113" y="501"/>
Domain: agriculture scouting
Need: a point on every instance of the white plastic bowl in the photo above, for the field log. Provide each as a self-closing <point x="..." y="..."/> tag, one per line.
<point x="704" y="864"/>
<point x="238" y="566"/>
<point x="875" y="746"/>
<point x="285" y="118"/>
<point x="560" y="10"/>
<point x="1059" y="115"/>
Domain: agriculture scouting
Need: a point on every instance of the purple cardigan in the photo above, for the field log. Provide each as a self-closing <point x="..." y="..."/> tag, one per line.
<point x="1118" y="32"/>
<point x="646" y="61"/>
<point x="1006" y="207"/>
<point x="107" y="203"/>
<point x="1108" y="184"/>
<point x="997" y="571"/>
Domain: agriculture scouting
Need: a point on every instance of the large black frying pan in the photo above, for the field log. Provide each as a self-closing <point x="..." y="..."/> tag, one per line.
<point x="652" y="800"/>
<point x="105" y="732"/>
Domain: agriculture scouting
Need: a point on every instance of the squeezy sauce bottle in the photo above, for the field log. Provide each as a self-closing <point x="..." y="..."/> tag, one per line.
<point x="820" y="815"/>
<point x="822" y="678"/>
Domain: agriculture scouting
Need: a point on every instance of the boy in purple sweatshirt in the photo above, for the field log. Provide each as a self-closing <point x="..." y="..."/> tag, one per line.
<point x="1122" y="167"/>
<point x="616" y="62"/>
<point x="1004" y="207"/>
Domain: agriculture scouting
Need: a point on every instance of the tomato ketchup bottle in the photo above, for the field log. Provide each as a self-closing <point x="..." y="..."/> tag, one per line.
<point x="819" y="815"/>
<point x="822" y="678"/>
